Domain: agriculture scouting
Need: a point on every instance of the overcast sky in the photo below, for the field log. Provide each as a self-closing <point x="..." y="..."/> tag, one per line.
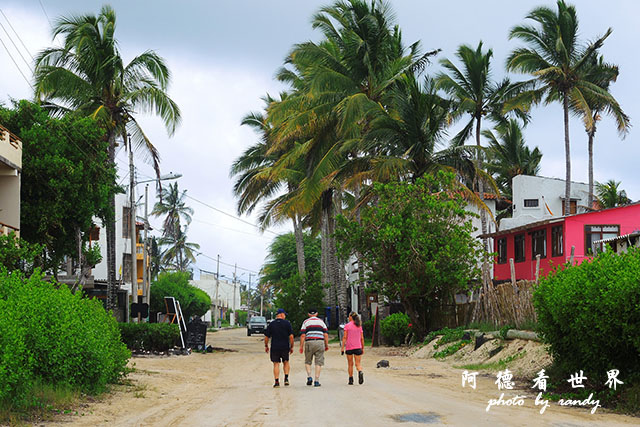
<point x="223" y="56"/>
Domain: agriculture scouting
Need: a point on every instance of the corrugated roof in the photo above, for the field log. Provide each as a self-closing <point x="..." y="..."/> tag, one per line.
<point x="612" y="239"/>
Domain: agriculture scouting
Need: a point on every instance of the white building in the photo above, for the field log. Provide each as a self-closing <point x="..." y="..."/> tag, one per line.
<point x="224" y="295"/>
<point x="10" y="171"/>
<point x="537" y="198"/>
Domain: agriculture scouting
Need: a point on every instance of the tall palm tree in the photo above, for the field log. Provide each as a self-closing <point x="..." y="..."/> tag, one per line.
<point x="173" y="206"/>
<point x="87" y="75"/>
<point x="477" y="96"/>
<point x="340" y="82"/>
<point x="609" y="195"/>
<point x="508" y="155"/>
<point x="558" y="63"/>
<point x="260" y="176"/>
<point x="602" y="74"/>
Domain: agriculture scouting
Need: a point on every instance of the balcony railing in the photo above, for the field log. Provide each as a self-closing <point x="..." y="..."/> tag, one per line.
<point x="5" y="229"/>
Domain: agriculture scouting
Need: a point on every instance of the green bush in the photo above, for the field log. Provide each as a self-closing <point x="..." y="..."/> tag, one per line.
<point x="296" y="295"/>
<point x="241" y="318"/>
<point x="50" y="336"/>
<point x="149" y="336"/>
<point x="590" y="315"/>
<point x="367" y="327"/>
<point x="395" y="328"/>
<point x="193" y="301"/>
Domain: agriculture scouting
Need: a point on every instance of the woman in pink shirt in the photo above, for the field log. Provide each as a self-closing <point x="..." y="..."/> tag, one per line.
<point x="353" y="343"/>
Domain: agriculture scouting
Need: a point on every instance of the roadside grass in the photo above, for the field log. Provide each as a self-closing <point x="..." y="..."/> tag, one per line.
<point x="493" y="366"/>
<point x="48" y="401"/>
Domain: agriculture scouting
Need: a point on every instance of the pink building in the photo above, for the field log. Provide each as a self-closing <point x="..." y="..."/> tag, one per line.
<point x="553" y="239"/>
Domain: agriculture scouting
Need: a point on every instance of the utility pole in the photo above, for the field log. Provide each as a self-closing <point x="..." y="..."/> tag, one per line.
<point x="261" y="298"/>
<point x="134" y="255"/>
<point x="217" y="310"/>
<point x="249" y="294"/>
<point x="235" y="271"/>
<point x="145" y="266"/>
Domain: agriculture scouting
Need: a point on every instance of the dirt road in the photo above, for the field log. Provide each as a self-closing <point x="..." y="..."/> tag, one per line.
<point x="234" y="388"/>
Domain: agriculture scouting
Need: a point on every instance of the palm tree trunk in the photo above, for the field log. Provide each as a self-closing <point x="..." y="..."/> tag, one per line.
<point x="483" y="214"/>
<point x="342" y="285"/>
<point x="591" y="134"/>
<point x="297" y="230"/>
<point x="111" y="234"/>
<point x="324" y="244"/>
<point x="567" y="154"/>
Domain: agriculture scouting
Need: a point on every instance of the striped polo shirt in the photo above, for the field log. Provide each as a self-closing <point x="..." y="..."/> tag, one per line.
<point x="313" y="329"/>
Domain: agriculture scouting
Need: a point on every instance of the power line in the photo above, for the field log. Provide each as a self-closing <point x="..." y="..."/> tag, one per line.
<point x="228" y="214"/>
<point x="17" y="35"/>
<point x="227" y="264"/>
<point x="231" y="229"/>
<point x="16" y="64"/>
<point x="45" y="12"/>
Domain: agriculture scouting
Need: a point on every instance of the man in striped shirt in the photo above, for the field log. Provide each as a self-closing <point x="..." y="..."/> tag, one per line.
<point x="314" y="339"/>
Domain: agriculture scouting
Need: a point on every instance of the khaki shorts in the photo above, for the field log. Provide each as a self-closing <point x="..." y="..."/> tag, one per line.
<point x="314" y="348"/>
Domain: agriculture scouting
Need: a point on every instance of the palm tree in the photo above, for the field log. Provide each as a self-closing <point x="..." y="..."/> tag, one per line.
<point x="559" y="63"/>
<point x="609" y="195"/>
<point x="602" y="74"/>
<point x="260" y="177"/>
<point x="477" y="96"/>
<point x="508" y="155"/>
<point x="179" y="253"/>
<point x="339" y="83"/>
<point x="173" y="206"/>
<point x="87" y="75"/>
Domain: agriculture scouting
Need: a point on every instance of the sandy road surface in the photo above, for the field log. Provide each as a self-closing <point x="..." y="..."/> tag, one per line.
<point x="234" y="388"/>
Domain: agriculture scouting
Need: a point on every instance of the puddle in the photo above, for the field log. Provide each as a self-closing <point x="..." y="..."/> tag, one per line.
<point x="417" y="417"/>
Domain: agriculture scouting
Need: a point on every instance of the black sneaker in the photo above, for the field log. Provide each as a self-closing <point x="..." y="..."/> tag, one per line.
<point x="286" y="381"/>
<point x="309" y="380"/>
<point x="360" y="377"/>
<point x="350" y="380"/>
<point x="317" y="384"/>
<point x="277" y="384"/>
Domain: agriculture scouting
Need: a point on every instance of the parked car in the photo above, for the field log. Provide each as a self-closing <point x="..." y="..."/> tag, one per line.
<point x="256" y="325"/>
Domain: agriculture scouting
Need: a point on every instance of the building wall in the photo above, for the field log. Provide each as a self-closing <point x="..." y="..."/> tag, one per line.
<point x="549" y="191"/>
<point x="10" y="170"/>
<point x="627" y="217"/>
<point x="527" y="269"/>
<point x="228" y="294"/>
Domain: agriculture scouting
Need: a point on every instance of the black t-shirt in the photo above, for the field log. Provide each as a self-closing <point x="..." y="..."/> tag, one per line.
<point x="279" y="331"/>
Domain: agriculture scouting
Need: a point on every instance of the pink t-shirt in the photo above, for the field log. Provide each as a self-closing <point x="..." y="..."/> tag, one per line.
<point x="354" y="336"/>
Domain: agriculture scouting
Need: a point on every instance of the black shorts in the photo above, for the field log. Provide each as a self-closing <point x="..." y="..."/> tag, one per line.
<point x="355" y="351"/>
<point x="278" y="356"/>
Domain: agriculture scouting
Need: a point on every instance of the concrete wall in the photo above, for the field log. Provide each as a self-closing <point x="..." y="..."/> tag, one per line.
<point x="549" y="191"/>
<point x="10" y="170"/>
<point x="228" y="294"/>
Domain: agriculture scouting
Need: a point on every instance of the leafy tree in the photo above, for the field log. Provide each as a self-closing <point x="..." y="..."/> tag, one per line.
<point x="609" y="195"/>
<point x="178" y="254"/>
<point x="559" y="64"/>
<point x="508" y="155"/>
<point x="65" y="183"/>
<point x="87" y="75"/>
<point x="193" y="301"/>
<point x="415" y="243"/>
<point x="19" y="255"/>
<point x="281" y="261"/>
<point x="296" y="295"/>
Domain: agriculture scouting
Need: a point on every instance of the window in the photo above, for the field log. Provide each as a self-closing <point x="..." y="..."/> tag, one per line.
<point x="556" y="241"/>
<point x="573" y="207"/>
<point x="502" y="250"/>
<point x="598" y="232"/>
<point x="126" y="222"/>
<point x="539" y="243"/>
<point x="530" y="203"/>
<point x="519" y="248"/>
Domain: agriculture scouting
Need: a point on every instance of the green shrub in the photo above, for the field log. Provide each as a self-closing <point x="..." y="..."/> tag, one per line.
<point x="193" y="301"/>
<point x="49" y="335"/>
<point x="395" y="328"/>
<point x="296" y="295"/>
<point x="590" y="315"/>
<point x="18" y="254"/>
<point x="149" y="336"/>
<point x="241" y="318"/>
<point x="367" y="327"/>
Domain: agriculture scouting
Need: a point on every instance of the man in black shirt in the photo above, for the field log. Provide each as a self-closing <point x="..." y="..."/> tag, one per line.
<point x="281" y="334"/>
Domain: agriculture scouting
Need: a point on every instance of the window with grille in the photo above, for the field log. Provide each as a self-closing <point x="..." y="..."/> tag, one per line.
<point x="518" y="247"/>
<point x="502" y="250"/>
<point x="598" y="232"/>
<point x="126" y="222"/>
<point x="556" y="241"/>
<point x="573" y="207"/>
<point x="539" y="243"/>
<point x="530" y="203"/>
